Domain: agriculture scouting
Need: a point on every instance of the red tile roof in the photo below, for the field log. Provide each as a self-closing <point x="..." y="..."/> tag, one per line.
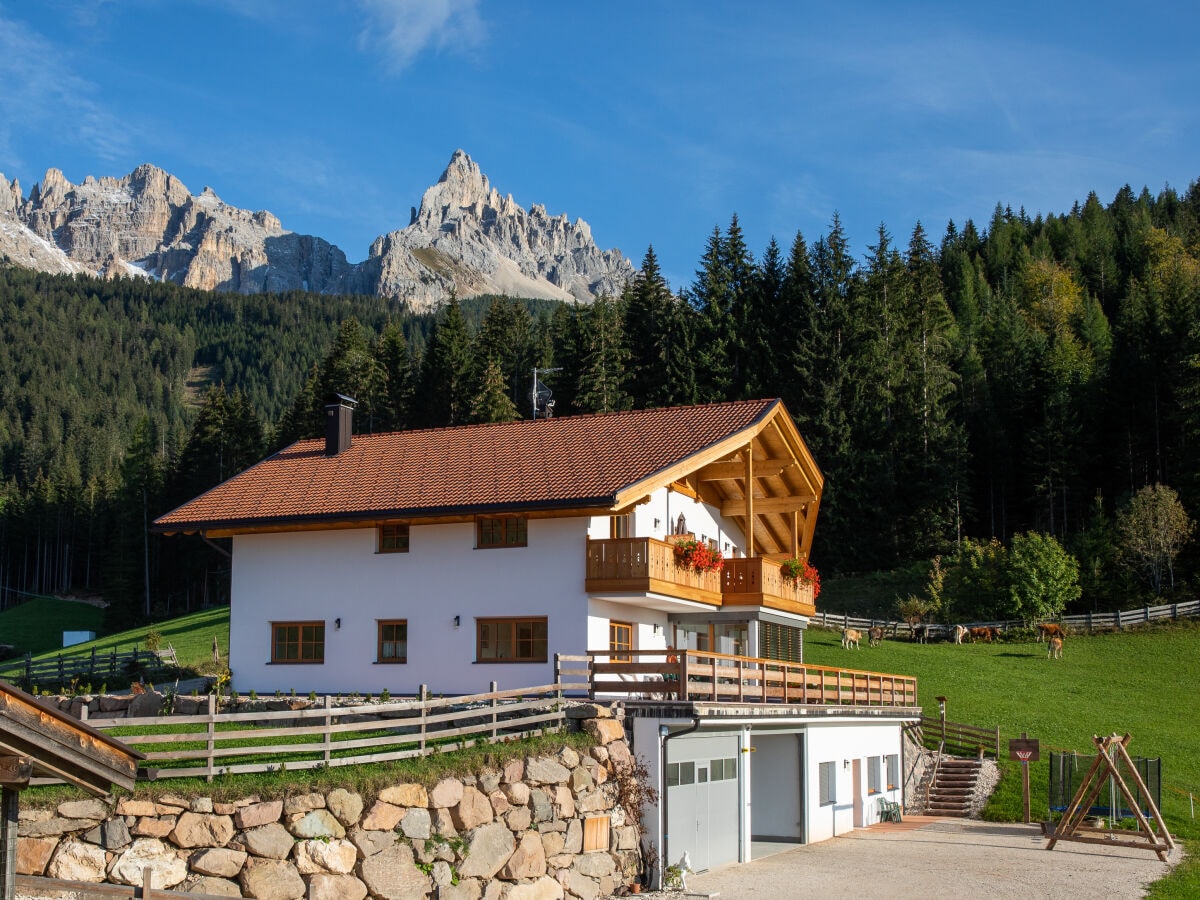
<point x="571" y="461"/>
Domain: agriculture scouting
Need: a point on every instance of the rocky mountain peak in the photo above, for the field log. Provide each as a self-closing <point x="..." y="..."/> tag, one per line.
<point x="464" y="238"/>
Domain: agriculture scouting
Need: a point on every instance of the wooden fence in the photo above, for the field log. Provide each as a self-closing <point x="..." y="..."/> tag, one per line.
<point x="1083" y="622"/>
<point x="95" y="666"/>
<point x="960" y="739"/>
<point x="718" y="677"/>
<point x="254" y="738"/>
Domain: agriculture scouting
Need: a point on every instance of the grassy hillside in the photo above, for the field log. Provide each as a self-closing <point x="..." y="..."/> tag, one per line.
<point x="1140" y="681"/>
<point x="39" y="624"/>
<point x="36" y="626"/>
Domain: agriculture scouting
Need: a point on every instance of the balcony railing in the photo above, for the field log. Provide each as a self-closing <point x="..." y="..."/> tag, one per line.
<point x="646" y="564"/>
<point x="757" y="581"/>
<point x="716" y="677"/>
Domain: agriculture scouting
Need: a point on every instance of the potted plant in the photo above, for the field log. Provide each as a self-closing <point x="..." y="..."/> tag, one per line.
<point x="699" y="556"/>
<point x="798" y="571"/>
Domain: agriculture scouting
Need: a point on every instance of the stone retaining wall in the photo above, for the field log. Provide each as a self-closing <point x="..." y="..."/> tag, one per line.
<point x="525" y="831"/>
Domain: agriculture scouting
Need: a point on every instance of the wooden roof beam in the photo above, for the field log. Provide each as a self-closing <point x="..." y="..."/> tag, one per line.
<point x="735" y="470"/>
<point x="766" y="505"/>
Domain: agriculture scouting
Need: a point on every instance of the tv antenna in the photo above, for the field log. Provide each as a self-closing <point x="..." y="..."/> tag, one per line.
<point x="540" y="395"/>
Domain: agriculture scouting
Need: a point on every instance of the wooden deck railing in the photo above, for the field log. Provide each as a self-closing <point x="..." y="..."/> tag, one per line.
<point x="718" y="677"/>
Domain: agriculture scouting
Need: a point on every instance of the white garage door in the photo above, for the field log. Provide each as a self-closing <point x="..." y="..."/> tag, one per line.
<point x="702" y="800"/>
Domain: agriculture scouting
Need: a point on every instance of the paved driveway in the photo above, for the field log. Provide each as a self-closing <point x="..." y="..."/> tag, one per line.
<point x="927" y="857"/>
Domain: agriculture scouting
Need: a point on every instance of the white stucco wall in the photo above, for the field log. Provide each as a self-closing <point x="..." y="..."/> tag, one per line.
<point x="327" y="575"/>
<point x="841" y="743"/>
<point x="656" y="518"/>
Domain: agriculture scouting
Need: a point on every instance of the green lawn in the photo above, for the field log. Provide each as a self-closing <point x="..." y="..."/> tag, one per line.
<point x="36" y="626"/>
<point x="1141" y="682"/>
<point x="41" y="622"/>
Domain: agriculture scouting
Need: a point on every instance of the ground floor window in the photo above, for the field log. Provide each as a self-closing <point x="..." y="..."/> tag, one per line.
<point x="730" y="638"/>
<point x="620" y="641"/>
<point x="874" y="774"/>
<point x="782" y="642"/>
<point x="511" y="639"/>
<point x="393" y="641"/>
<point x="297" y="642"/>
<point x="827" y="777"/>
<point x="893" y="771"/>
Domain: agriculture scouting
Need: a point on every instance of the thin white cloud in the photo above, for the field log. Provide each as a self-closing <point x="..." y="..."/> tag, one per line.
<point x="402" y="29"/>
<point x="38" y="90"/>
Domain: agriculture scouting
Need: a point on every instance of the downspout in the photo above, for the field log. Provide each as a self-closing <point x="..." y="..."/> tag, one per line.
<point x="664" y="732"/>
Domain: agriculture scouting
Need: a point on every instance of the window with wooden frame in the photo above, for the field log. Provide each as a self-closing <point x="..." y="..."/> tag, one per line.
<point x="393" y="641"/>
<point x="297" y="642"/>
<point x="782" y="642"/>
<point x="511" y="639"/>
<point x="620" y="641"/>
<point x="874" y="774"/>
<point x="620" y="526"/>
<point x="393" y="539"/>
<point x="501" y="531"/>
<point x="893" y="771"/>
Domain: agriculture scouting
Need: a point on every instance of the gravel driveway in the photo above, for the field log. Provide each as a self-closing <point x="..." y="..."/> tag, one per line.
<point x="926" y="857"/>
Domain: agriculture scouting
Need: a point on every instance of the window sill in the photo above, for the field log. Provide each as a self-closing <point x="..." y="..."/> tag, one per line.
<point x="486" y="662"/>
<point x="296" y="662"/>
<point x="391" y="662"/>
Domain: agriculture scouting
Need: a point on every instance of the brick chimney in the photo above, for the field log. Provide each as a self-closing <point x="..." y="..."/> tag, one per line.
<point x="339" y="423"/>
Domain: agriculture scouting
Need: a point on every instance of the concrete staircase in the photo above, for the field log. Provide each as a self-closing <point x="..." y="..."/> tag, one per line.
<point x="953" y="788"/>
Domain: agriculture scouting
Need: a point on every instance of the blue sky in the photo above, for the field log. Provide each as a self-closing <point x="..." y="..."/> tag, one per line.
<point x="653" y="121"/>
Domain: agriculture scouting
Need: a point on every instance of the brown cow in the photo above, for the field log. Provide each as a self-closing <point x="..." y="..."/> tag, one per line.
<point x="875" y="636"/>
<point x="1047" y="630"/>
<point x="1055" y="648"/>
<point x="981" y="633"/>
<point x="851" y="637"/>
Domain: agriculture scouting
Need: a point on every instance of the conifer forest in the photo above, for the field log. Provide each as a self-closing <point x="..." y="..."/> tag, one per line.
<point x="985" y="382"/>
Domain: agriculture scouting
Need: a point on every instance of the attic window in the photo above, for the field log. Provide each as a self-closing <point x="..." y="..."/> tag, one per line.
<point x="393" y="538"/>
<point x="501" y="531"/>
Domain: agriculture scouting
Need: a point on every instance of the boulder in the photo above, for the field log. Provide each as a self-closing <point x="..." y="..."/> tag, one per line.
<point x="393" y="873"/>
<point x="371" y="842"/>
<point x="153" y="826"/>
<point x="269" y="841"/>
<point x="446" y="793"/>
<point x="317" y="823"/>
<point x="544" y="770"/>
<point x="382" y="816"/>
<point x="202" y="830"/>
<point x="325" y="886"/>
<point x="75" y="860"/>
<point x="405" y="795"/>
<point x="514" y="771"/>
<point x="111" y="834"/>
<point x="472" y="810"/>
<point x="545" y="888"/>
<point x="33" y="854"/>
<point x="302" y="803"/>
<point x="216" y="887"/>
<point x="83" y="809"/>
<point x="583" y="887"/>
<point x="217" y="861"/>
<point x="257" y="814"/>
<point x="166" y="868"/>
<point x="605" y="731"/>
<point x="517" y="793"/>
<point x="271" y="879"/>
<point x="346" y="806"/>
<point x="337" y="857"/>
<point x="528" y="860"/>
<point x="417" y="824"/>
<point x="488" y="849"/>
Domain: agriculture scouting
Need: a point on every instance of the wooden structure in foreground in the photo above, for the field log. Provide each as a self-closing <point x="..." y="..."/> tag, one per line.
<point x="1110" y="750"/>
<point x="37" y="740"/>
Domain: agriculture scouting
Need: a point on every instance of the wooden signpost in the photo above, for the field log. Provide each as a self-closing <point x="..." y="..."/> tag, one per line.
<point x="1110" y="752"/>
<point x="1026" y="750"/>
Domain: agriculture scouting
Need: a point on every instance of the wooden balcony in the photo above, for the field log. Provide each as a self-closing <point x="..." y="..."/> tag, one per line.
<point x="646" y="565"/>
<point x="757" y="581"/>
<point x="719" y="678"/>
